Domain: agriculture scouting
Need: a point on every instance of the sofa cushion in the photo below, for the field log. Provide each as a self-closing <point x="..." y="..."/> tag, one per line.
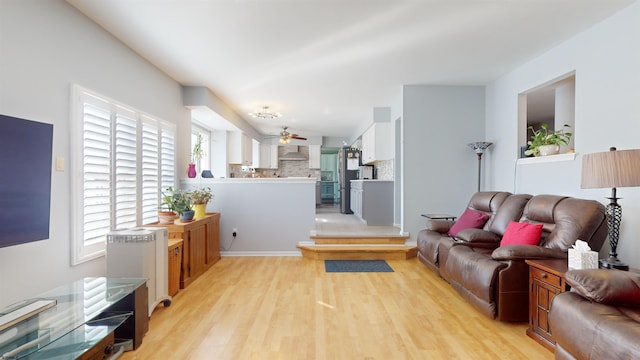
<point x="470" y="219"/>
<point x="612" y="287"/>
<point x="519" y="233"/>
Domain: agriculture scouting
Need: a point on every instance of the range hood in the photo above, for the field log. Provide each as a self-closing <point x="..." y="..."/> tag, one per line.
<point x="293" y="153"/>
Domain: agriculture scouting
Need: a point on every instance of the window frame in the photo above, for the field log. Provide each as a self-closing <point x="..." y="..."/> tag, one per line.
<point x="82" y="250"/>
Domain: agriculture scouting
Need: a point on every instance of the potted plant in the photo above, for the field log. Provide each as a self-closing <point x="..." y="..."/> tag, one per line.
<point x="547" y="142"/>
<point x="179" y="202"/>
<point x="199" y="199"/>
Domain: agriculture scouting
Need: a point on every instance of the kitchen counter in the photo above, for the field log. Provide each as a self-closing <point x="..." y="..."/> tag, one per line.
<point x="372" y="201"/>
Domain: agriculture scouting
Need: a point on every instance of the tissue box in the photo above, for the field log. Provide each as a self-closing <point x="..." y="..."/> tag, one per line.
<point x="583" y="259"/>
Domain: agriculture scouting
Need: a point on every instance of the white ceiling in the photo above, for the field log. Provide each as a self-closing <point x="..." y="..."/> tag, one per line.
<point x="325" y="64"/>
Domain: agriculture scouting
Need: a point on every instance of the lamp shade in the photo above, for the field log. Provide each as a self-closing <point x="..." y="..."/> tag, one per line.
<point x="611" y="169"/>
<point x="479" y="146"/>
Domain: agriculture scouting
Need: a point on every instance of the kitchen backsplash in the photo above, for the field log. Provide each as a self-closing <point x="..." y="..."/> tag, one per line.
<point x="384" y="170"/>
<point x="286" y="168"/>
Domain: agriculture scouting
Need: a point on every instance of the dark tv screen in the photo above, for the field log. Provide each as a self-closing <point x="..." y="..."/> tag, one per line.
<point x="25" y="180"/>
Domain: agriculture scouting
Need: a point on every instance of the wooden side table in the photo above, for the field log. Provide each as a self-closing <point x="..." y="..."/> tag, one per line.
<point x="546" y="280"/>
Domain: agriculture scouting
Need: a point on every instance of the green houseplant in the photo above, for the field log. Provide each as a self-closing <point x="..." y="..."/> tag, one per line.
<point x="199" y="199"/>
<point x="179" y="202"/>
<point x="544" y="137"/>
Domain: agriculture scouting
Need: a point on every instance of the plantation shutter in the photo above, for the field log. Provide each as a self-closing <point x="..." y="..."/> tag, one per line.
<point x="167" y="157"/>
<point x="125" y="172"/>
<point x="150" y="171"/>
<point x="123" y="160"/>
<point x="96" y="161"/>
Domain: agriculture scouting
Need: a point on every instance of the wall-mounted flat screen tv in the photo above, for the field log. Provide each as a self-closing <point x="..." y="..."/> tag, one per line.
<point x="25" y="180"/>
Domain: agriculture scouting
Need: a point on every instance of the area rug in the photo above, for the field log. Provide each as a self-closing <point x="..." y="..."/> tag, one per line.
<point x="357" y="266"/>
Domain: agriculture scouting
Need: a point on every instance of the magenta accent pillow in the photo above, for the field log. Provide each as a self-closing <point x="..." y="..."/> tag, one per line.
<point x="470" y="219"/>
<point x="518" y="233"/>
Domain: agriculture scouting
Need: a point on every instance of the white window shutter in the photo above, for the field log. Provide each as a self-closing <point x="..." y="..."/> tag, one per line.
<point x="97" y="173"/>
<point x="125" y="181"/>
<point x="150" y="195"/>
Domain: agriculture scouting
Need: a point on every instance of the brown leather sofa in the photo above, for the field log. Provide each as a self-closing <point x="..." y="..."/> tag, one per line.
<point x="495" y="279"/>
<point x="599" y="318"/>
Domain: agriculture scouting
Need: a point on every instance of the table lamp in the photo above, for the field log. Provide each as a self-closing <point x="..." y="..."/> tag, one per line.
<point x="612" y="169"/>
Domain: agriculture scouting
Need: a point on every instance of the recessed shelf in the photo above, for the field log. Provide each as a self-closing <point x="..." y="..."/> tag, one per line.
<point x="546" y="159"/>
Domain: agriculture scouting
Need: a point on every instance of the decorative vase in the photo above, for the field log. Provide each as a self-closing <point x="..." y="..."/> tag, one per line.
<point x="200" y="210"/>
<point x="192" y="171"/>
<point x="166" y="217"/>
<point x="187" y="215"/>
<point x="548" y="149"/>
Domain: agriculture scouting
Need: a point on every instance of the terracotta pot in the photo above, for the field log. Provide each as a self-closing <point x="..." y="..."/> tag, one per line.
<point x="166" y="217"/>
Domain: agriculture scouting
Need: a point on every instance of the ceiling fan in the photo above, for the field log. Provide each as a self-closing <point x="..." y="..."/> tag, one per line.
<point x="286" y="136"/>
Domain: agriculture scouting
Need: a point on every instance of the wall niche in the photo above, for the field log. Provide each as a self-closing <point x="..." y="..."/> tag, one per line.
<point x="551" y="103"/>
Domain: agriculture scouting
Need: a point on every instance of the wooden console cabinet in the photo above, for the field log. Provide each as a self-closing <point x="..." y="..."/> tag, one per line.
<point x="546" y="280"/>
<point x="200" y="247"/>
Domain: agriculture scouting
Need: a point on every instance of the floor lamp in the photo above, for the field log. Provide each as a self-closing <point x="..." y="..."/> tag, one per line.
<point x="479" y="147"/>
<point x="612" y="169"/>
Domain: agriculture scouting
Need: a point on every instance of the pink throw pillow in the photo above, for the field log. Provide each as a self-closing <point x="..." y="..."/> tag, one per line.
<point x="470" y="219"/>
<point x="518" y="233"/>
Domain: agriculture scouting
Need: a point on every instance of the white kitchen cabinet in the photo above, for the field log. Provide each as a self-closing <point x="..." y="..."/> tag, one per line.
<point x="372" y="201"/>
<point x="268" y="156"/>
<point x="377" y="143"/>
<point x="314" y="156"/>
<point x="239" y="148"/>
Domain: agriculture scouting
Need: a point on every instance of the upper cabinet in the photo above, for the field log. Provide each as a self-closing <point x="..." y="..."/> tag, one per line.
<point x="314" y="156"/>
<point x="377" y="143"/>
<point x="239" y="148"/>
<point x="265" y="156"/>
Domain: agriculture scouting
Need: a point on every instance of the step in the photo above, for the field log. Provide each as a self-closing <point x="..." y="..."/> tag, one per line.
<point x="355" y="239"/>
<point x="358" y="252"/>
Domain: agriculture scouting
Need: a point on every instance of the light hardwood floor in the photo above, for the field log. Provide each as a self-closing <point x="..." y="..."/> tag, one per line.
<point x="289" y="308"/>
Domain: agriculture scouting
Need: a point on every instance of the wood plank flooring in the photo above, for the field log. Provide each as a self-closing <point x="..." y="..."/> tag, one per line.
<point x="289" y="308"/>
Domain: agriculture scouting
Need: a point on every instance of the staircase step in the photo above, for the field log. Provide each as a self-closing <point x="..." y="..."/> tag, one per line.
<point x="355" y="240"/>
<point x="358" y="252"/>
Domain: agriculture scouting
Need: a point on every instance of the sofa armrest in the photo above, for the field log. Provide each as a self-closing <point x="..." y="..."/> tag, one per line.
<point x="439" y="225"/>
<point x="611" y="287"/>
<point x="478" y="238"/>
<point x="525" y="252"/>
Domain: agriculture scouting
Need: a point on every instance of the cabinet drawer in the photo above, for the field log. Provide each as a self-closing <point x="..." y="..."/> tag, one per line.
<point x="546" y="277"/>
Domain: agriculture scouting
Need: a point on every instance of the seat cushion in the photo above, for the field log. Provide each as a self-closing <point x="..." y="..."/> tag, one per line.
<point x="470" y="219"/>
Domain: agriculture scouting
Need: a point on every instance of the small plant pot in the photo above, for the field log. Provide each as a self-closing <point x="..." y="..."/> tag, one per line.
<point x="187" y="215"/>
<point x="200" y="210"/>
<point x="548" y="149"/>
<point x="166" y="217"/>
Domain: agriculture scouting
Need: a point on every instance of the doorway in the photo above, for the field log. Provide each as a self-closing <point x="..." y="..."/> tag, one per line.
<point x="329" y="180"/>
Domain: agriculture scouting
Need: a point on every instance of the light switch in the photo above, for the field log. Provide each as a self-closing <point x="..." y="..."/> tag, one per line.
<point x="59" y="163"/>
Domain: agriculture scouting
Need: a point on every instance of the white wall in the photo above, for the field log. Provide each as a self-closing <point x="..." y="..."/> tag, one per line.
<point x="438" y="168"/>
<point x="606" y="59"/>
<point x="45" y="47"/>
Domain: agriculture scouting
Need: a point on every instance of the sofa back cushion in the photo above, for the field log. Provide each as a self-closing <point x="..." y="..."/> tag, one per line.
<point x="488" y="202"/>
<point x="510" y="210"/>
<point x="566" y="220"/>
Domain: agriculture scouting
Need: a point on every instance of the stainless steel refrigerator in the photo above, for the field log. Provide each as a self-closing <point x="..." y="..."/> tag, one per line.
<point x="349" y="161"/>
